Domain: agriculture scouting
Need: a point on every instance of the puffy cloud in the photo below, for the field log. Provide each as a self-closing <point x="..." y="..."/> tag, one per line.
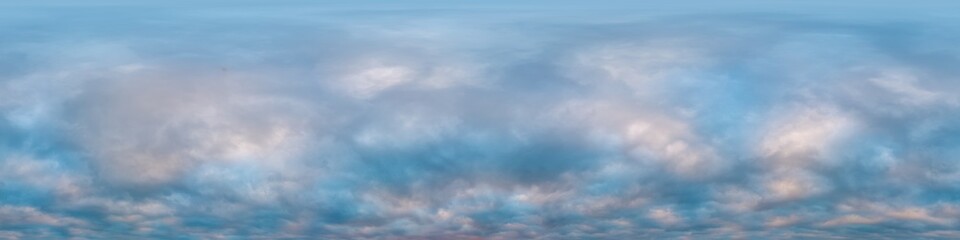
<point x="306" y="120"/>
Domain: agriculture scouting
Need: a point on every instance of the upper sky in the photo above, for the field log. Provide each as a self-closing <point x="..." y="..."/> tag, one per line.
<point x="479" y="120"/>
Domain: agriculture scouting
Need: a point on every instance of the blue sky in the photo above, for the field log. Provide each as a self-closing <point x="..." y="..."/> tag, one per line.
<point x="479" y="120"/>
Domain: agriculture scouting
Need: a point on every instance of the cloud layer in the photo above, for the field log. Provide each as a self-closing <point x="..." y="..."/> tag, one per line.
<point x="408" y="122"/>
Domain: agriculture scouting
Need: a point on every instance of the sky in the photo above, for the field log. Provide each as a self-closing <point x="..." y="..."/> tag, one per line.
<point x="479" y="120"/>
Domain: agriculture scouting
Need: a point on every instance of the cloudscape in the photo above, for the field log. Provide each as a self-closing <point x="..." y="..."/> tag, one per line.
<point x="479" y="120"/>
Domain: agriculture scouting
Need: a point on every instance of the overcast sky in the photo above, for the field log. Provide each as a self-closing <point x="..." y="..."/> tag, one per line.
<point x="479" y="120"/>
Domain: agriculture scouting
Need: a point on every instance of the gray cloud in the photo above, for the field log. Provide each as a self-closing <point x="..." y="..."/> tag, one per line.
<point x="302" y="123"/>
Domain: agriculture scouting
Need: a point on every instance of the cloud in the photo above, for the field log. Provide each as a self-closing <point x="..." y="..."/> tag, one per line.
<point x="298" y="121"/>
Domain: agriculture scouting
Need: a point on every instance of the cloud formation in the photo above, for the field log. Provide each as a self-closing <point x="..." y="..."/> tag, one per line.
<point x="301" y="121"/>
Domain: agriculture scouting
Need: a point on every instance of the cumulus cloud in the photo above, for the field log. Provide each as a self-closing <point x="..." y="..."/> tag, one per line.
<point x="334" y="121"/>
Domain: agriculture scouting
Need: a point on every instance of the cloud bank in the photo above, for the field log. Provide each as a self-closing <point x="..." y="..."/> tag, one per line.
<point x="332" y="121"/>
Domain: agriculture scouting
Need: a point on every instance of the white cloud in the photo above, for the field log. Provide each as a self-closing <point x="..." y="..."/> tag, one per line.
<point x="804" y="135"/>
<point x="284" y="122"/>
<point x="664" y="216"/>
<point x="851" y="219"/>
<point x="26" y="216"/>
